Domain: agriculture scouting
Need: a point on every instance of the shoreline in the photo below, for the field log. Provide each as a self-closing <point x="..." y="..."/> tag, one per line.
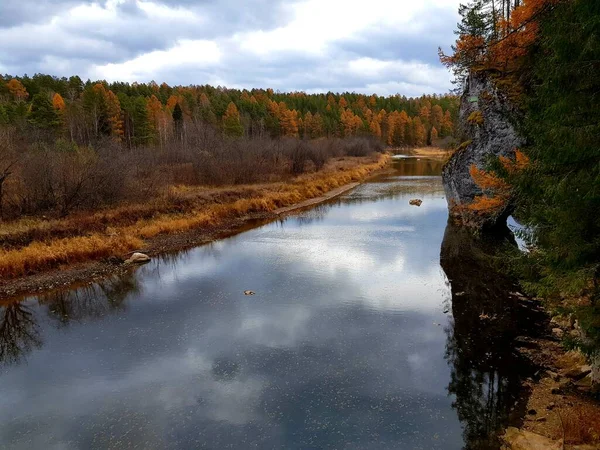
<point x="560" y="404"/>
<point x="78" y="274"/>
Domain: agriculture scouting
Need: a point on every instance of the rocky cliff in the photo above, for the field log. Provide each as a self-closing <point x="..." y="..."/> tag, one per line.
<point x="486" y="132"/>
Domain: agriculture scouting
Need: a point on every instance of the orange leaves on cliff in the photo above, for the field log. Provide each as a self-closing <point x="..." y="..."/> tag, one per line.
<point x="487" y="181"/>
<point x="520" y="163"/>
<point x="496" y="191"/>
<point x="468" y="51"/>
<point x="475" y="118"/>
<point x="495" y="41"/>
<point x="518" y="34"/>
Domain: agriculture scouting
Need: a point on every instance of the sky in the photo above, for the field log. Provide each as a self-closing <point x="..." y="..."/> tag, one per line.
<point x="376" y="46"/>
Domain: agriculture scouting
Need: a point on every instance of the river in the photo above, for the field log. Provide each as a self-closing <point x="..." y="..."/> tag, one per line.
<point x="359" y="336"/>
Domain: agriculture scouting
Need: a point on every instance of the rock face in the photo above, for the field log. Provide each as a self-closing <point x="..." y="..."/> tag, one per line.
<point x="486" y="132"/>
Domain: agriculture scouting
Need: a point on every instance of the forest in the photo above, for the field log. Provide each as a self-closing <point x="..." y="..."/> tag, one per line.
<point x="91" y="170"/>
<point x="544" y="57"/>
<point x="64" y="143"/>
<point x="149" y="114"/>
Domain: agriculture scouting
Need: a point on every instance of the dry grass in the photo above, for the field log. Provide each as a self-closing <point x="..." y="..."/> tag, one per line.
<point x="35" y="245"/>
<point x="582" y="425"/>
<point x="39" y="255"/>
<point x="433" y="153"/>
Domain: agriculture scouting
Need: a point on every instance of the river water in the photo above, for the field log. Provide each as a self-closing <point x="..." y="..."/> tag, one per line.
<point x="359" y="336"/>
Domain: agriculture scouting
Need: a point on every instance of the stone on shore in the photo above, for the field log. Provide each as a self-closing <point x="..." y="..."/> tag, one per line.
<point x="137" y="258"/>
<point x="516" y="439"/>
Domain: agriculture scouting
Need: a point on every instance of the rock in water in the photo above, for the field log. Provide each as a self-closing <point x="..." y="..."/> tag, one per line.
<point x="415" y="202"/>
<point x="249" y="292"/>
<point x="137" y="258"/>
<point x="487" y="132"/>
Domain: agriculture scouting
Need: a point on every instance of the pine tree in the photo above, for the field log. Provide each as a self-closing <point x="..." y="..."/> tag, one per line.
<point x="559" y="195"/>
<point x="178" y="121"/>
<point x="42" y="113"/>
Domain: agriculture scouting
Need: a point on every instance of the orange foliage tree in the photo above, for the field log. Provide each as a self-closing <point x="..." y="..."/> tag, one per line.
<point x="17" y="90"/>
<point x="496" y="191"/>
<point x="494" y="41"/>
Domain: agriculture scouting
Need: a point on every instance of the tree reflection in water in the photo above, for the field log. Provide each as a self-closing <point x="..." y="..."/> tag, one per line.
<point x="487" y="372"/>
<point x="19" y="332"/>
<point x="19" y="328"/>
<point x="90" y="302"/>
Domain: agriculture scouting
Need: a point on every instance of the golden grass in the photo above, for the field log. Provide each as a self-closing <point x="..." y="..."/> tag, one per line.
<point x="35" y="245"/>
<point x="40" y="255"/>
<point x="432" y="153"/>
<point x="582" y="425"/>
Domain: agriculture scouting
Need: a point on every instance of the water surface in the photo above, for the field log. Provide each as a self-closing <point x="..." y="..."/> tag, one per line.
<point x="351" y="340"/>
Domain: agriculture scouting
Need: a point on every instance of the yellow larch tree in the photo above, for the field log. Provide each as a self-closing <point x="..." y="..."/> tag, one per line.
<point x="17" y="90"/>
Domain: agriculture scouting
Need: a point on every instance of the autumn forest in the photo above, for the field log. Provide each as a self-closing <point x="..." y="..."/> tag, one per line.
<point x="149" y="114"/>
<point x="146" y="159"/>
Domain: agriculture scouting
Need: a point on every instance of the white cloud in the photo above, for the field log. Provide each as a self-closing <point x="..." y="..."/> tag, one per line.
<point x="197" y="53"/>
<point x="386" y="47"/>
<point x="318" y="23"/>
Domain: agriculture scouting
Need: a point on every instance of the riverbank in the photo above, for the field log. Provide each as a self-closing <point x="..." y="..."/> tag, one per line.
<point x="432" y="153"/>
<point x="562" y="411"/>
<point x="42" y="255"/>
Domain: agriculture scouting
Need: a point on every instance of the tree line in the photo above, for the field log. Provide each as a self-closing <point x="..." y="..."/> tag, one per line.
<point x="144" y="114"/>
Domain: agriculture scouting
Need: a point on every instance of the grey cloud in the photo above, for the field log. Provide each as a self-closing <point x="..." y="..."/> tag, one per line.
<point x="32" y="42"/>
<point x="391" y="44"/>
<point x="233" y="15"/>
<point x="131" y="35"/>
<point x="17" y="12"/>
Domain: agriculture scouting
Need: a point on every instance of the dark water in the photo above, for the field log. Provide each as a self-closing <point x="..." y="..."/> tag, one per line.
<point x="355" y="339"/>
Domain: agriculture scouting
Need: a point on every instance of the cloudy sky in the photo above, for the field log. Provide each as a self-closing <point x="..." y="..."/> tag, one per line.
<point x="381" y="46"/>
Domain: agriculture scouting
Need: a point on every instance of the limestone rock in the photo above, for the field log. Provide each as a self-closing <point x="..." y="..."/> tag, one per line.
<point x="578" y="372"/>
<point x="516" y="439"/>
<point x="558" y="332"/>
<point x="137" y="258"/>
<point x="486" y="132"/>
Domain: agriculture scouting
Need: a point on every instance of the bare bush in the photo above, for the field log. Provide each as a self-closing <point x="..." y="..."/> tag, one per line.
<point x="61" y="177"/>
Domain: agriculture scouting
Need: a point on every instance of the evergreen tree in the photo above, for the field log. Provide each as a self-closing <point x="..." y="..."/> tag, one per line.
<point x="42" y="114"/>
<point x="559" y="195"/>
<point x="178" y="121"/>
